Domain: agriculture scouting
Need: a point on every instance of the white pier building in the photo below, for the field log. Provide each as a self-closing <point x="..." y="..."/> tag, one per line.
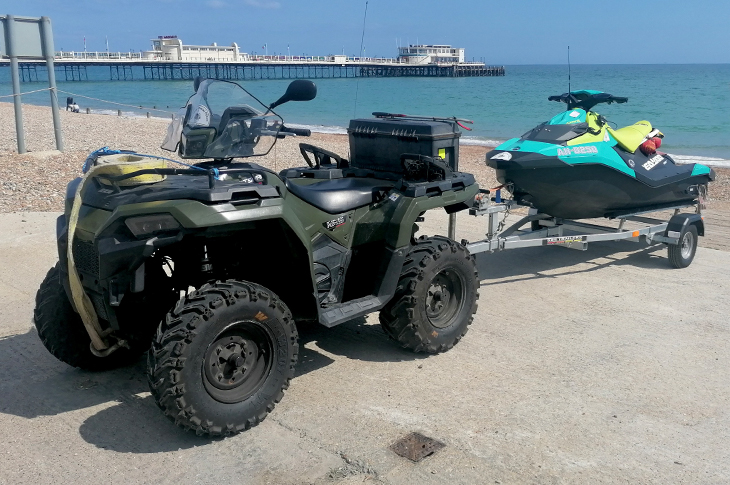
<point x="171" y="48"/>
<point x="431" y="54"/>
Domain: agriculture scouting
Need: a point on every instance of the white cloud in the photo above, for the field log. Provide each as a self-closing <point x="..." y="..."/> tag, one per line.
<point x="262" y="4"/>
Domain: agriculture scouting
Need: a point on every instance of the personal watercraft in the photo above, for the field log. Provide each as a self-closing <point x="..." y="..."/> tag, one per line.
<point x="576" y="166"/>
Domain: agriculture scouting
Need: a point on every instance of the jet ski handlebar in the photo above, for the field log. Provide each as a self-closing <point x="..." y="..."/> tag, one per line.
<point x="586" y="100"/>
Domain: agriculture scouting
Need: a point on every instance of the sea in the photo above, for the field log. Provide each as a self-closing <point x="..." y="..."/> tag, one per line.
<point x="690" y="104"/>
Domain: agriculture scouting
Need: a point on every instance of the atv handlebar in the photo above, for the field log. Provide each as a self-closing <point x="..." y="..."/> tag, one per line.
<point x="296" y="131"/>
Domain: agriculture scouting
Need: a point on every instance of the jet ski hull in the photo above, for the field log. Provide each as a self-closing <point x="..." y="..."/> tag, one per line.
<point x="590" y="190"/>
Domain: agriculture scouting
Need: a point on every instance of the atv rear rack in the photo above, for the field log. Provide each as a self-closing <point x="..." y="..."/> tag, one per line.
<point x="547" y="230"/>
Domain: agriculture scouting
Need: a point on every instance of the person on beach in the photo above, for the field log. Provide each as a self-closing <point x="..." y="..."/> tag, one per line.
<point x="71" y="105"/>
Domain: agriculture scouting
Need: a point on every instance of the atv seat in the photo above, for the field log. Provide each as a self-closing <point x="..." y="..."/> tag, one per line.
<point x="341" y="195"/>
<point x="630" y="137"/>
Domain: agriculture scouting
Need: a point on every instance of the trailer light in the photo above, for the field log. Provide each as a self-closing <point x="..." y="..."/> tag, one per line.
<point x="144" y="226"/>
<point x="635" y="234"/>
<point x="507" y="156"/>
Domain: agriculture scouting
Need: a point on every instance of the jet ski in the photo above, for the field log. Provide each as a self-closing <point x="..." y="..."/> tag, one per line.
<point x="576" y="166"/>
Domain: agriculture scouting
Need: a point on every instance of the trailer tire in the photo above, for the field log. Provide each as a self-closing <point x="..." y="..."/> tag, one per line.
<point x="436" y="296"/>
<point x="682" y="253"/>
<point x="62" y="331"/>
<point x="223" y="357"/>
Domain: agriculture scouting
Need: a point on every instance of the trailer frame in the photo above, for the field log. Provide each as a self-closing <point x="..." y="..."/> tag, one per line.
<point x="546" y="230"/>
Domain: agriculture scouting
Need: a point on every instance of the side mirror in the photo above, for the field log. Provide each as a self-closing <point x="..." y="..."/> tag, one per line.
<point x="299" y="90"/>
<point x="196" y="83"/>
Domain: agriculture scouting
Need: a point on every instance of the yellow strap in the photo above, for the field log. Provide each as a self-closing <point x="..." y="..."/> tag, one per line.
<point x="78" y="294"/>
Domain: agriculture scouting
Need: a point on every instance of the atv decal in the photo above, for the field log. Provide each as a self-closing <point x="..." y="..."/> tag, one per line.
<point x="335" y="223"/>
<point x="394" y="197"/>
<point x="653" y="162"/>
<point x="261" y="316"/>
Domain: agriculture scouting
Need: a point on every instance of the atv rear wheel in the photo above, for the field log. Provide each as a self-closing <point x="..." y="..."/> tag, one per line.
<point x="223" y="357"/>
<point x="682" y="253"/>
<point x="62" y="331"/>
<point x="435" y="298"/>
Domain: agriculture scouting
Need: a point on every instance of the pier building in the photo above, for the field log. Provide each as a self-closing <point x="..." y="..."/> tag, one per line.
<point x="171" y="48"/>
<point x="431" y="54"/>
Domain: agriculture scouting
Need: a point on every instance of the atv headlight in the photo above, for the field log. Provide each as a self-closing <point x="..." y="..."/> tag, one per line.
<point x="145" y="226"/>
<point x="507" y="156"/>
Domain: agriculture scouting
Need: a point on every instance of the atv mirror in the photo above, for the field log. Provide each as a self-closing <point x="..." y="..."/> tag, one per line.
<point x="299" y="90"/>
<point x="196" y="82"/>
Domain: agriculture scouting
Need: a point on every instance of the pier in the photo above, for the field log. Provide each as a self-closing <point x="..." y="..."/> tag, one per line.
<point x="128" y="66"/>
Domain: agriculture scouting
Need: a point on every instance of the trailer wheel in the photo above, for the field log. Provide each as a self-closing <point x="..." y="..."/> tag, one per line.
<point x="682" y="253"/>
<point x="223" y="357"/>
<point x="435" y="298"/>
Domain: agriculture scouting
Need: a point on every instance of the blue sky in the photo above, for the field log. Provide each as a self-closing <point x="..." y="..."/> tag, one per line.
<point x="505" y="32"/>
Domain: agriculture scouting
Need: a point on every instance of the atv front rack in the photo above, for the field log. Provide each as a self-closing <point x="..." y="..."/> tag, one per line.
<point x="213" y="174"/>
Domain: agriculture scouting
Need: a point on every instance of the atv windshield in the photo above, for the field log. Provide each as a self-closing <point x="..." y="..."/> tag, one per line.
<point x="229" y="120"/>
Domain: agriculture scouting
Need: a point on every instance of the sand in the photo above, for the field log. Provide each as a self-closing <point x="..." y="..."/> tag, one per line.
<point x="36" y="181"/>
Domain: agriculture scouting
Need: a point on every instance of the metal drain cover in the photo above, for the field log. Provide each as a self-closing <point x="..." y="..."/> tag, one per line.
<point x="416" y="447"/>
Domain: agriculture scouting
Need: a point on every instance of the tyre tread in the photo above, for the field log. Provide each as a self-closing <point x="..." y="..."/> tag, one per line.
<point x="178" y="330"/>
<point x="397" y="318"/>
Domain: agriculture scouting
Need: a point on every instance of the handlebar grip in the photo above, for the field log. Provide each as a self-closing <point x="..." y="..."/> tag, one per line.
<point x="297" y="131"/>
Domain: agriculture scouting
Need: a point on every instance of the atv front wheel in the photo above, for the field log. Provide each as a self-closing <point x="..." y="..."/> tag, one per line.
<point x="62" y="331"/>
<point x="223" y="357"/>
<point x="435" y="298"/>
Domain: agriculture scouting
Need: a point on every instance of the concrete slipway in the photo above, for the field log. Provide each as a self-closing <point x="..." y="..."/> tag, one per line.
<point x="604" y="366"/>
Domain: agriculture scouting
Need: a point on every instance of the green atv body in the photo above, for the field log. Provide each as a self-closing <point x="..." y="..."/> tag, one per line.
<point x="215" y="264"/>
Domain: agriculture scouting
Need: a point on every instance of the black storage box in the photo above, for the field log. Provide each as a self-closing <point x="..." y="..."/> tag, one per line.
<point x="378" y="143"/>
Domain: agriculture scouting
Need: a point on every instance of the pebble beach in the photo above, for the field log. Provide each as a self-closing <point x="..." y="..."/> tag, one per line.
<point x="36" y="180"/>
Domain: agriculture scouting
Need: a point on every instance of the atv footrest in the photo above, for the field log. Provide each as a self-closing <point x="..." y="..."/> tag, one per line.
<point x="344" y="312"/>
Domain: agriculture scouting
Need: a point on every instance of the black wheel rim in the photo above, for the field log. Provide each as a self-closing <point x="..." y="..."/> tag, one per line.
<point x="238" y="362"/>
<point x="445" y="298"/>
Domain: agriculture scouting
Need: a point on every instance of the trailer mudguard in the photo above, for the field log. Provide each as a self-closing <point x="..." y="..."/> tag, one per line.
<point x="679" y="222"/>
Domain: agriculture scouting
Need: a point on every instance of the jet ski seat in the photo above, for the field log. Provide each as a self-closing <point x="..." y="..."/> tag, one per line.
<point x="630" y="137"/>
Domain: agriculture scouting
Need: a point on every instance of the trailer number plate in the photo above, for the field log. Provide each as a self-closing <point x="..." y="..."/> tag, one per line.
<point x="564" y="240"/>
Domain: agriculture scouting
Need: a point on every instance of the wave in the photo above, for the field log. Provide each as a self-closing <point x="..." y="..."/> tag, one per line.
<point x="465" y="140"/>
<point x="709" y="161"/>
<point x="341" y="130"/>
<point x="128" y="114"/>
<point x="328" y="130"/>
<point x="484" y="142"/>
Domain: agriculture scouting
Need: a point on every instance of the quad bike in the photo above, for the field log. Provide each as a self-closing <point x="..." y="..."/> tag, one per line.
<point x="210" y="267"/>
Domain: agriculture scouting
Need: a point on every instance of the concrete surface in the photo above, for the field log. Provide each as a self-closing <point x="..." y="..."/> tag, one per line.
<point x="604" y="366"/>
